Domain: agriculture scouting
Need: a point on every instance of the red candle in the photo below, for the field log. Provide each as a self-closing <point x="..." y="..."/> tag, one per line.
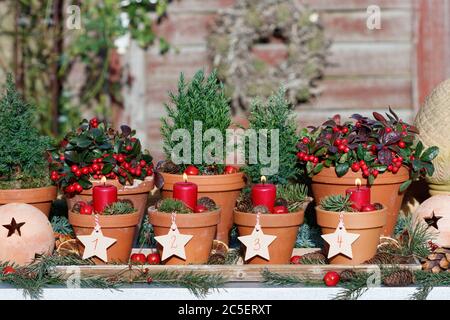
<point x="264" y="194"/>
<point x="103" y="195"/>
<point x="359" y="196"/>
<point x="186" y="192"/>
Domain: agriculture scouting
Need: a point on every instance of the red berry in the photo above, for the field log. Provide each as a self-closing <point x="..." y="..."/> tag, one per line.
<point x="133" y="139"/>
<point x="344" y="141"/>
<point x="364" y="167"/>
<point x="280" y="210"/>
<point x="336" y="129"/>
<point x="126" y="165"/>
<point x="8" y="270"/>
<point x="305" y="140"/>
<point x="128" y="148"/>
<point x="70" y="189"/>
<point x="341" y="147"/>
<point x="300" y="155"/>
<point x="346" y="149"/>
<point x="95" y="176"/>
<point x="142" y="163"/>
<point x="373" y="148"/>
<point x="74" y="168"/>
<point x="366" y="173"/>
<point x="138" y="172"/>
<point x="344" y="130"/>
<point x="230" y="170"/>
<point x="311" y="157"/>
<point x="95" y="167"/>
<point x="358" y="124"/>
<point x="411" y="157"/>
<point x="149" y="280"/>
<point x="375" y="173"/>
<point x="362" y="162"/>
<point x="400" y="159"/>
<point x="338" y="142"/>
<point x="390" y="167"/>
<point x="331" y="278"/>
<point x="78" y="187"/>
<point x="78" y="173"/>
<point x="401" y="144"/>
<point x="120" y="158"/>
<point x="296" y="259"/>
<point x="191" y="170"/>
<point x="395" y="169"/>
<point x="355" y="167"/>
<point x="388" y="130"/>
<point x="85" y="170"/>
<point x="132" y="171"/>
<point x="149" y="171"/>
<point x="404" y="127"/>
<point x="62" y="158"/>
<point x="153" y="258"/>
<point x="316" y="160"/>
<point x="138" y="258"/>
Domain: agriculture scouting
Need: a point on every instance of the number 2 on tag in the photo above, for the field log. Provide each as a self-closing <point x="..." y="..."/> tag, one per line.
<point x="173" y="242"/>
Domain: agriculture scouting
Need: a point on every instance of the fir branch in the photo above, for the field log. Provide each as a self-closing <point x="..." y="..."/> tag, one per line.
<point x="277" y="279"/>
<point x="61" y="225"/>
<point x="337" y="203"/>
<point x="354" y="288"/>
<point x="426" y="281"/>
<point x="295" y="194"/>
<point x="197" y="283"/>
<point x="119" y="207"/>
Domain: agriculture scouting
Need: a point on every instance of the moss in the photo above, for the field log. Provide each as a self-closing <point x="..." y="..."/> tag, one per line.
<point x="283" y="13"/>
<point x="253" y="19"/>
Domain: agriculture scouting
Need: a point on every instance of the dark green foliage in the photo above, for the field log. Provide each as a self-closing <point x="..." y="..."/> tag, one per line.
<point x="146" y="234"/>
<point x="202" y="99"/>
<point x="119" y="207"/>
<point x="337" y="203"/>
<point x="277" y="113"/>
<point x="61" y="225"/>
<point x="170" y="205"/>
<point x="22" y="150"/>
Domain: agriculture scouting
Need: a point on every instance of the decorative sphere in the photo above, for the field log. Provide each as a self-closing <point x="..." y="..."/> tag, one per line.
<point x="36" y="233"/>
<point x="440" y="205"/>
<point x="433" y="122"/>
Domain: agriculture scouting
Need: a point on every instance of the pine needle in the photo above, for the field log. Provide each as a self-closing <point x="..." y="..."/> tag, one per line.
<point x="277" y="279"/>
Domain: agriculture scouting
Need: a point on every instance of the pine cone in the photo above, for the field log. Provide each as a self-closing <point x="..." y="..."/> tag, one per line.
<point x="385" y="258"/>
<point x="347" y="275"/>
<point x="244" y="204"/>
<point x="207" y="202"/>
<point x="217" y="258"/>
<point x="437" y="261"/>
<point x="316" y="257"/>
<point x="260" y="209"/>
<point x="399" y="278"/>
<point x="281" y="202"/>
<point x="169" y="167"/>
<point x="211" y="170"/>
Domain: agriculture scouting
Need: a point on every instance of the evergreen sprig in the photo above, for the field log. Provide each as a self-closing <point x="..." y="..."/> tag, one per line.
<point x="170" y="205"/>
<point x="61" y="225"/>
<point x="22" y="150"/>
<point x="119" y="207"/>
<point x="276" y="114"/>
<point x="202" y="99"/>
<point x="337" y="203"/>
<point x="295" y="194"/>
<point x="277" y="279"/>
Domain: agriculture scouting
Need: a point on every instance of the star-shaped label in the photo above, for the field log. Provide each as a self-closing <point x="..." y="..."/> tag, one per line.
<point x="96" y="244"/>
<point x="14" y="227"/>
<point x="340" y="241"/>
<point x="173" y="243"/>
<point x="257" y="244"/>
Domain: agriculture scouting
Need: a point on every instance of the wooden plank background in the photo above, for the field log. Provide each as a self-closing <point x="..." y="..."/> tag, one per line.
<point x="370" y="69"/>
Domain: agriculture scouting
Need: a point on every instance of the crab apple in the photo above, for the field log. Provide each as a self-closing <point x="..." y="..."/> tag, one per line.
<point x="86" y="209"/>
<point x="138" y="258"/>
<point x="153" y="258"/>
<point x="331" y="278"/>
<point x="296" y="259"/>
<point x="200" y="208"/>
<point x="191" y="170"/>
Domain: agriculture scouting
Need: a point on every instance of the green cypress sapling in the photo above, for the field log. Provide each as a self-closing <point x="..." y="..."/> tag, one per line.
<point x="23" y="162"/>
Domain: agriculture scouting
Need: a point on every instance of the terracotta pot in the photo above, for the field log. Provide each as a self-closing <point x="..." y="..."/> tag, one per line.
<point x="120" y="227"/>
<point x="202" y="226"/>
<point x="224" y="189"/>
<point x="385" y="190"/>
<point x="368" y="225"/>
<point x="283" y="226"/>
<point x="40" y="198"/>
<point x="138" y="195"/>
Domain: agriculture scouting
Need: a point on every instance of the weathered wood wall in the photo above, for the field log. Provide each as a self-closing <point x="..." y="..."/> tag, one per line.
<point x="370" y="69"/>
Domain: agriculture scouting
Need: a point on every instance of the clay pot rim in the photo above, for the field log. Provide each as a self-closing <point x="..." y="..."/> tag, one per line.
<point x="327" y="175"/>
<point x="219" y="182"/>
<point x="270" y="220"/>
<point x="184" y="220"/>
<point x="352" y="220"/>
<point x="105" y="221"/>
<point x="37" y="195"/>
<point x="145" y="186"/>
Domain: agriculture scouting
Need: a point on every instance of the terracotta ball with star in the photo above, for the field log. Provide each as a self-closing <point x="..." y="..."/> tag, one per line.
<point x="435" y="212"/>
<point x="24" y="232"/>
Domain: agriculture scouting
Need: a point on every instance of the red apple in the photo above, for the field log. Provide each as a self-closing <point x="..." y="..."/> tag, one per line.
<point x="138" y="258"/>
<point x="153" y="258"/>
<point x="280" y="209"/>
<point x="86" y="209"/>
<point x="296" y="259"/>
<point x="191" y="170"/>
<point x="230" y="170"/>
<point x="331" y="279"/>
